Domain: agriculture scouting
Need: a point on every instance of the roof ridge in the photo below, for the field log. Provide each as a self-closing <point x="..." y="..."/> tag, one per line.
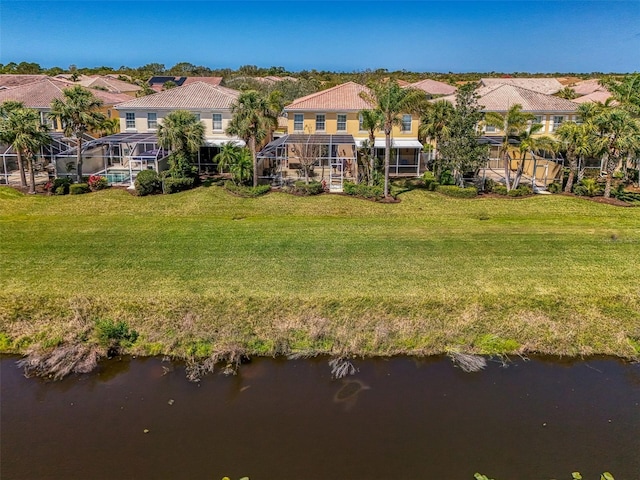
<point x="315" y="94"/>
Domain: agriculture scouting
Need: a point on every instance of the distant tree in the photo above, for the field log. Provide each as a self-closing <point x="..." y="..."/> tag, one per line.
<point x="306" y="154"/>
<point x="460" y="150"/>
<point x="168" y="85"/>
<point x="109" y="126"/>
<point x="228" y="156"/>
<point x="576" y="140"/>
<point x="146" y="88"/>
<point x="22" y="128"/>
<point x="626" y="92"/>
<point x="513" y="123"/>
<point x="250" y="122"/>
<point x="78" y="114"/>
<point x="567" y="93"/>
<point x="392" y="101"/>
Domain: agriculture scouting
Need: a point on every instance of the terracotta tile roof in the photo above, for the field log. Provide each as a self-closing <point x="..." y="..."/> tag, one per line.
<point x="499" y="98"/>
<point x="597" y="96"/>
<point x="9" y="80"/>
<point x="542" y="85"/>
<point x="112" y="85"/>
<point x="208" y="80"/>
<point x="434" y="87"/>
<point x="341" y="98"/>
<point x="39" y="94"/>
<point x="198" y="95"/>
<point x="586" y="87"/>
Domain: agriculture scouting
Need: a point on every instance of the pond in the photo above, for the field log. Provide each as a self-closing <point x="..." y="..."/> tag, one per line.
<point x="398" y="418"/>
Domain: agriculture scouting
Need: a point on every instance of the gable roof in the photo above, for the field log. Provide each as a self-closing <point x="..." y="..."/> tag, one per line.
<point x="198" y="95"/>
<point x="434" y="87"/>
<point x="586" y="87"/>
<point x="597" y="96"/>
<point x="157" y="82"/>
<point x="548" y="86"/>
<point x="343" y="97"/>
<point x="39" y="94"/>
<point x="499" y="98"/>
<point x="112" y="85"/>
<point x="9" y="80"/>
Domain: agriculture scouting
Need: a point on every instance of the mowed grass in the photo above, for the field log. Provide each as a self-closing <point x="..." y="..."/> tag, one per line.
<point x="203" y="272"/>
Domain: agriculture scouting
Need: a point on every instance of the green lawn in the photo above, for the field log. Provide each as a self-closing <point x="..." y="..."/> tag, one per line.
<point x="204" y="271"/>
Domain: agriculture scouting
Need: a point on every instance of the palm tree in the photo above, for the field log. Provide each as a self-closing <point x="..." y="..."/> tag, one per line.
<point x="275" y="104"/>
<point x="241" y="170"/>
<point x="531" y="142"/>
<point x="22" y="128"/>
<point x="78" y="113"/>
<point x="371" y="122"/>
<point x="391" y="101"/>
<point x="512" y="123"/>
<point x="109" y="126"/>
<point x="7" y="137"/>
<point x="250" y="123"/>
<point x="627" y="92"/>
<point x="434" y="124"/>
<point x="228" y="156"/>
<point x="577" y="140"/>
<point x="619" y="138"/>
<point x="183" y="134"/>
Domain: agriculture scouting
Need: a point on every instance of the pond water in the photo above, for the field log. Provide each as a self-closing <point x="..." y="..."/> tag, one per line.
<point x="399" y="418"/>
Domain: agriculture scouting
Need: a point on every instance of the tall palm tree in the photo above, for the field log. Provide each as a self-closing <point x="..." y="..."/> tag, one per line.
<point x="619" y="135"/>
<point x="6" y="134"/>
<point x="627" y="92"/>
<point x="512" y="123"/>
<point x="372" y="121"/>
<point x="577" y="141"/>
<point x="391" y="101"/>
<point x="250" y="123"/>
<point x="26" y="133"/>
<point x="183" y="134"/>
<point x="531" y="142"/>
<point x="78" y="113"/>
<point x="435" y="122"/>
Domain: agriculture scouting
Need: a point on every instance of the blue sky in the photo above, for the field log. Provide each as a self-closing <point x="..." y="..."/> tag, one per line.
<point x="454" y="35"/>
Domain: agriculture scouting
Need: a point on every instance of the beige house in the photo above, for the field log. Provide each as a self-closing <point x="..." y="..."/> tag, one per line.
<point x="327" y="125"/>
<point x="210" y="103"/>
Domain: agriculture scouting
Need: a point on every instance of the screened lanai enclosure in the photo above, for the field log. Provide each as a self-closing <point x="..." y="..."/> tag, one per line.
<point x="332" y="159"/>
<point x="44" y="165"/>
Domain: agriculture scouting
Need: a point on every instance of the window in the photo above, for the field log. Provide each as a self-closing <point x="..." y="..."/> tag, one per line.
<point x="130" y="118"/>
<point x="342" y="122"/>
<point x="197" y="115"/>
<point x="578" y="119"/>
<point x="152" y="121"/>
<point x="406" y="123"/>
<point x="557" y="121"/>
<point x="298" y="122"/>
<point x="217" y="121"/>
<point x="489" y="129"/>
<point x="320" y="121"/>
<point x="360" y="122"/>
<point x="538" y="119"/>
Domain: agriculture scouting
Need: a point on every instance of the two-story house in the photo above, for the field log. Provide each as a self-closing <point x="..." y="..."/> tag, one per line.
<point x="328" y="126"/>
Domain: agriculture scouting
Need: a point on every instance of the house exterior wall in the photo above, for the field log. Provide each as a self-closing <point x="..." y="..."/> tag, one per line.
<point x="206" y="117"/>
<point x="353" y="125"/>
<point x="547" y="122"/>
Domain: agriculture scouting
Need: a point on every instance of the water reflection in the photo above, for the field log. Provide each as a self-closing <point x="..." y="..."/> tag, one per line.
<point x="349" y="392"/>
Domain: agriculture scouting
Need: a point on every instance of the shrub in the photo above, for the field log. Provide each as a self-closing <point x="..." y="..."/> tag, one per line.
<point x="177" y="184"/>
<point x="433" y="186"/>
<point x="587" y="187"/>
<point x="78" y="188"/>
<point x="97" y="182"/>
<point x="112" y="334"/>
<point x="312" y="188"/>
<point x="458" y="192"/>
<point x="363" y="190"/>
<point x="244" y="191"/>
<point x="554" y="187"/>
<point x="499" y="189"/>
<point x="489" y="184"/>
<point x="147" y="183"/>
<point x="60" y="186"/>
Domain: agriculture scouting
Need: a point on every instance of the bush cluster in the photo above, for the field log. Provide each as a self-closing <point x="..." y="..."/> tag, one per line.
<point x="554" y="187"/>
<point x="458" y="192"/>
<point x="588" y="187"/>
<point x="147" y="183"/>
<point x="244" y="191"/>
<point x="59" y="186"/>
<point x="177" y="184"/>
<point x="521" y="191"/>
<point x="312" y="188"/>
<point x="363" y="190"/>
<point x="97" y="182"/>
<point x="78" y="188"/>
